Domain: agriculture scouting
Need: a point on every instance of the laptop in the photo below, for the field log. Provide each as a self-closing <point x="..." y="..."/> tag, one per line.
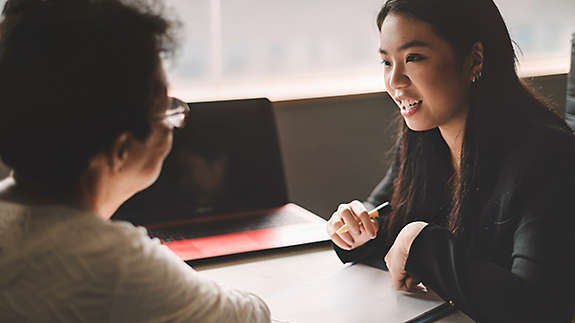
<point x="222" y="189"/>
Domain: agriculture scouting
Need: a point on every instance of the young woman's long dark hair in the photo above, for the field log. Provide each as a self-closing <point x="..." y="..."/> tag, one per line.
<point x="501" y="109"/>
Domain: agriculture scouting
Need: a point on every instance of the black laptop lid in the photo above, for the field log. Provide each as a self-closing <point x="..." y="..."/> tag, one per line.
<point x="226" y="160"/>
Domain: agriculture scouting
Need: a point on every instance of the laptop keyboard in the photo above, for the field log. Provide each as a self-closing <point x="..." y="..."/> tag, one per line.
<point x="242" y="224"/>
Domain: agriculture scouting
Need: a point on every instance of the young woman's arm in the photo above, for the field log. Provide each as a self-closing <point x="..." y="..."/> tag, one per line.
<point x="537" y="285"/>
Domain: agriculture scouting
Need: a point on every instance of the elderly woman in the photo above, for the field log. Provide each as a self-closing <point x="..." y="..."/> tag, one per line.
<point x="86" y="123"/>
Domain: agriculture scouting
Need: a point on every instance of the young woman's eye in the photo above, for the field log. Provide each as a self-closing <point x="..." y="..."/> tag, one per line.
<point x="386" y="63"/>
<point x="413" y="58"/>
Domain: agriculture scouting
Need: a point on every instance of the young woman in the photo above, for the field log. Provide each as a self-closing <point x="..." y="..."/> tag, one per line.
<point x="86" y="123"/>
<point x="483" y="173"/>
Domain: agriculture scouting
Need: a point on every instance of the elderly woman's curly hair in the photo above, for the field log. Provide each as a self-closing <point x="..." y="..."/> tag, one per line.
<point x="74" y="74"/>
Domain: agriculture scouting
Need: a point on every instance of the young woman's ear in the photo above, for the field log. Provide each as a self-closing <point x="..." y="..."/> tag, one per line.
<point x="119" y="152"/>
<point x="477" y="59"/>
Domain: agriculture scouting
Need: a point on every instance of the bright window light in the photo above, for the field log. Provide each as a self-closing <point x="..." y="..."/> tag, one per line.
<point x="301" y="49"/>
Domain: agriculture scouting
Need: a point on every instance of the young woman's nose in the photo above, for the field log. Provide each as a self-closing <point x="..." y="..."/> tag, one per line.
<point x="397" y="78"/>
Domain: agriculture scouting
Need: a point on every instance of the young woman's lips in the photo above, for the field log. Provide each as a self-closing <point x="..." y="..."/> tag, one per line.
<point x="409" y="107"/>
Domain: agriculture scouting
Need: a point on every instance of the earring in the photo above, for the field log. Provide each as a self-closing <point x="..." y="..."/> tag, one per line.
<point x="477" y="76"/>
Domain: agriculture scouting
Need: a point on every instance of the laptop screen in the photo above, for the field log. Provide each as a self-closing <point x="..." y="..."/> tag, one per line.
<point x="227" y="159"/>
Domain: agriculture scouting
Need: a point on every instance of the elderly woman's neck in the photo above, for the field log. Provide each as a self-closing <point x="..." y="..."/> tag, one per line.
<point x="26" y="191"/>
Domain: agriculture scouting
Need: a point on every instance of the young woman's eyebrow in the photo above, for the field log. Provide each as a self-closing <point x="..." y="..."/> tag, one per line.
<point x="409" y="44"/>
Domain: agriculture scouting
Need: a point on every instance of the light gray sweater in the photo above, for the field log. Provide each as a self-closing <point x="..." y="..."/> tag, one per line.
<point x="58" y="264"/>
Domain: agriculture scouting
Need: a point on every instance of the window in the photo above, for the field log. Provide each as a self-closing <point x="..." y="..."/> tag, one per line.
<point x="300" y="48"/>
<point x="278" y="49"/>
<point x="542" y="29"/>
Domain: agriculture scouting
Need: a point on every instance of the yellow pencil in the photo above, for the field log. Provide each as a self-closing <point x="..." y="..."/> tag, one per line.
<point x="372" y="214"/>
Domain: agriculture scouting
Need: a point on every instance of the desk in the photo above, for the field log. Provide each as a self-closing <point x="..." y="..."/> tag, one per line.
<point x="312" y="285"/>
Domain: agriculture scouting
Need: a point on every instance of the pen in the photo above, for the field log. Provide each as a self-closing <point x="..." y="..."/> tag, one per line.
<point x="434" y="314"/>
<point x="372" y="214"/>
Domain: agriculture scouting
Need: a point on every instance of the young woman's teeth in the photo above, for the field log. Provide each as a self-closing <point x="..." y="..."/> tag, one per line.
<point x="407" y="104"/>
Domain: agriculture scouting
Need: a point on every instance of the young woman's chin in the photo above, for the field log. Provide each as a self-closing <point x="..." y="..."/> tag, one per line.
<point x="418" y="125"/>
<point x="416" y="119"/>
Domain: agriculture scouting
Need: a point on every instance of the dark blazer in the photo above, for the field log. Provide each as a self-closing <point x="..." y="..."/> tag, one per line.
<point x="521" y="268"/>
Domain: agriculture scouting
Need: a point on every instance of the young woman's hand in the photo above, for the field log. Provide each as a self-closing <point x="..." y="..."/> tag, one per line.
<point x="361" y="227"/>
<point x="397" y="256"/>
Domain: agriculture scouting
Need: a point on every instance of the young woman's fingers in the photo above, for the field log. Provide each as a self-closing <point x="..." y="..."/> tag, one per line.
<point x="357" y="207"/>
<point x="396" y="269"/>
<point x="369" y="224"/>
<point x="375" y="225"/>
<point x="350" y="219"/>
<point x="399" y="279"/>
<point x="397" y="283"/>
<point x="413" y="285"/>
<point x="356" y="234"/>
<point x="335" y="221"/>
<point x="333" y="224"/>
<point x="347" y="237"/>
<point x="410" y="283"/>
<point x="340" y="242"/>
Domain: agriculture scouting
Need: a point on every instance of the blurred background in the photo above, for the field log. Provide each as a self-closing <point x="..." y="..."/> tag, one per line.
<point x="318" y="61"/>
<point x="301" y="48"/>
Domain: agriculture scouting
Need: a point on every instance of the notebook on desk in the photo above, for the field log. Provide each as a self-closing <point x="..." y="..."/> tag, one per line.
<point x="222" y="188"/>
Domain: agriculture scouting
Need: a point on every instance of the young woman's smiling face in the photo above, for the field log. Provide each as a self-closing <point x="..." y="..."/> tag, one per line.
<point x="425" y="78"/>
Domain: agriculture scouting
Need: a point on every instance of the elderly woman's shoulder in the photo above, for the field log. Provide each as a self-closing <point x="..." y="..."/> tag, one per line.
<point x="129" y="235"/>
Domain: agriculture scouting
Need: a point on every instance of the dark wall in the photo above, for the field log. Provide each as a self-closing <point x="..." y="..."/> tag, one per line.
<point x="335" y="149"/>
<point x="553" y="88"/>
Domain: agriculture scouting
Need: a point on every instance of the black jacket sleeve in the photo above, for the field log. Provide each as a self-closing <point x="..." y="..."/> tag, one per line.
<point x="537" y="286"/>
<point x="382" y="193"/>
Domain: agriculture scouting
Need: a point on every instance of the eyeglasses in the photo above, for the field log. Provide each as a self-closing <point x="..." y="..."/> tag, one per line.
<point x="177" y="114"/>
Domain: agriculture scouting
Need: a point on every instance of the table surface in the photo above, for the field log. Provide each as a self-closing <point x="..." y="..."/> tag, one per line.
<point x="311" y="285"/>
